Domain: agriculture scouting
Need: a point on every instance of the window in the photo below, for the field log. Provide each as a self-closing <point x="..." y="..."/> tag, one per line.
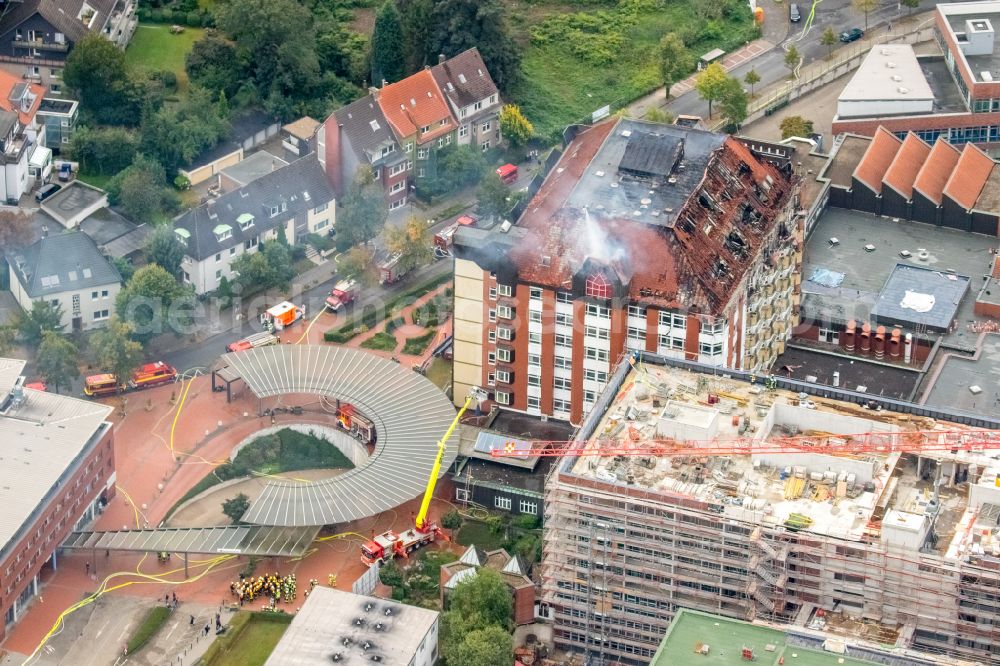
<point x="425" y="129"/>
<point x="462" y="494"/>
<point x="492" y="335"/>
<point x="534" y="336"/>
<point x="594" y="332"/>
<point x="397" y="204"/>
<point x="636" y="333"/>
<point x="249" y="244"/>
<point x="493" y="293"/>
<point x="55" y="88"/>
<point x="486" y="146"/>
<point x="715" y="326"/>
<point x="232" y="251"/>
<point x="218" y="256"/>
<point x="463" y="131"/>
<point x="503" y="397"/>
<point x="391" y="148"/>
<point x="101" y="314"/>
<point x="829" y="335"/>
<point x="589" y="396"/>
<point x="534" y="380"/>
<point x="93" y="295"/>
<point x="710" y="348"/>
<point x="486" y="126"/>
<point x="421" y="172"/>
<point x="477" y="106"/>
<point x="596" y="354"/>
<point x="397" y="169"/>
<point x="491" y="358"/>
<point x="596" y="376"/>
<point x="673" y="319"/>
<point x="534" y="402"/>
<point x="422" y="153"/>
<point x="397" y="187"/>
<point x="564" y="297"/>
<point x="667" y="342"/>
<point x="563" y="340"/>
<point x="563" y="362"/>
<point x="598" y="311"/>
<point x="535" y="293"/>
<point x="374" y="125"/>
<point x="505" y="312"/>
<point x="218" y="274"/>
<point x="505" y="290"/>
<point x="564" y="318"/>
<point x="637" y="311"/>
<point x="444" y="141"/>
<point x="534" y="359"/>
<point x="492" y="314"/>
<point x="560" y="405"/>
<point x="561" y="383"/>
<point x="598" y="286"/>
<point x="505" y="333"/>
<point x="530" y="508"/>
<point x="535" y="316"/>
<point x="500" y="501"/>
<point x="503" y="376"/>
<point x="409" y="146"/>
<point x="505" y="355"/>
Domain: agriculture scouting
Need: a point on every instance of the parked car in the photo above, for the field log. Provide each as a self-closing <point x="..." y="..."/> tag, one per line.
<point x="46" y="191"/>
<point x="793" y="13"/>
<point x="65" y="172"/>
<point x="852" y="35"/>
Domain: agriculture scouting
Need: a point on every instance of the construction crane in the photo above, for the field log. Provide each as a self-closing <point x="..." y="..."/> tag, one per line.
<point x="916" y="441"/>
<point x="387" y="545"/>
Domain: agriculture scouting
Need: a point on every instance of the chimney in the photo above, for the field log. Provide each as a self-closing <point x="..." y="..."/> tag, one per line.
<point x="384" y="83"/>
<point x="45" y="231"/>
<point x="373" y="91"/>
<point x="441" y="58"/>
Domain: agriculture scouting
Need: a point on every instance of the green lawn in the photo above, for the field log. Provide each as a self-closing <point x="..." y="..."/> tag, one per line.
<point x="154" y="48"/>
<point x="575" y="62"/>
<point x="473" y="532"/>
<point x="154" y="620"/>
<point x="249" y="641"/>
<point x="94" y="179"/>
<point x="416" y="346"/>
<point x="380" y="341"/>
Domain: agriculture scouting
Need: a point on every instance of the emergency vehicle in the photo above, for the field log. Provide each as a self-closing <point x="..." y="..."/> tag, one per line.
<point x="350" y="420"/>
<point x="343" y="293"/>
<point x="146" y="376"/>
<point x="281" y="316"/>
<point x="263" y="339"/>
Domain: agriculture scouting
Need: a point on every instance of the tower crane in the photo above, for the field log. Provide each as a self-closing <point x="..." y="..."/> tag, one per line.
<point x="389" y="544"/>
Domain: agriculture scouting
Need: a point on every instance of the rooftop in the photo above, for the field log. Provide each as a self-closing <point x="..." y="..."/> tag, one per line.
<point x="333" y="622"/>
<point x="916" y="296"/>
<point x="862" y="273"/>
<point x="512" y="568"/>
<point x="253" y="167"/>
<point x="62" y="14"/>
<point x="877" y="159"/>
<point x="951" y="387"/>
<point x="903" y="170"/>
<point x="934" y="174"/>
<point x="71" y="200"/>
<point x="45" y="437"/>
<point x="846" y="158"/>
<point x="62" y="262"/>
<point x="464" y="79"/>
<point x="818" y="365"/>
<point x="970" y="175"/>
<point x="414" y="103"/>
<point x="964" y="19"/>
<point x="889" y="72"/>
<point x="304" y="128"/>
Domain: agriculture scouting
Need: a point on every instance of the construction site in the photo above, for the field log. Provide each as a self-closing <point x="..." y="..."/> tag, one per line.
<point x="771" y="500"/>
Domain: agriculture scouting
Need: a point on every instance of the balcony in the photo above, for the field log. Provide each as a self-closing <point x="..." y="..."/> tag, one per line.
<point x="40" y="45"/>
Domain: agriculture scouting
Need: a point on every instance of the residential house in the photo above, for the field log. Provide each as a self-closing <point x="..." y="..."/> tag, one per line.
<point x="248" y="170"/>
<point x="472" y="96"/>
<point x="512" y="569"/>
<point x="359" y="134"/>
<point x="59" y="117"/>
<point x="37" y="35"/>
<point x="15" y="150"/>
<point x="68" y="270"/>
<point x="299" y="137"/>
<point x="24" y="98"/>
<point x="420" y="118"/>
<point x="297" y="198"/>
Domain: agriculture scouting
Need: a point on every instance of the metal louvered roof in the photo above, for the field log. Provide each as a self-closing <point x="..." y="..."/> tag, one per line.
<point x="409" y="412"/>
<point x="234" y="539"/>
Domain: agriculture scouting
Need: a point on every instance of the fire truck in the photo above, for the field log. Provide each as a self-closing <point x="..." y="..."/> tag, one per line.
<point x="390" y="270"/>
<point x="342" y="294"/>
<point x="146" y="376"/>
<point x="353" y="422"/>
<point x="384" y="547"/>
<point x="281" y="316"/>
<point x="445" y="239"/>
<point x="256" y="340"/>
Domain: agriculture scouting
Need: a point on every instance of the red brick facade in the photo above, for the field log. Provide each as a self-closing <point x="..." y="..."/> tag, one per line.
<point x="869" y="126"/>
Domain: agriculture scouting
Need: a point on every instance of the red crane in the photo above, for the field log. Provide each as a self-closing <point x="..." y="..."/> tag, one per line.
<point x="870" y="442"/>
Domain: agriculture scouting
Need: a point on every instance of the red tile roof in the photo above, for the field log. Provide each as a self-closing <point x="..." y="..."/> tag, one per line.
<point x="415" y="102"/>
<point x="904" y="169"/>
<point x="873" y="166"/>
<point x="969" y="176"/>
<point x="7" y="83"/>
<point x="937" y="167"/>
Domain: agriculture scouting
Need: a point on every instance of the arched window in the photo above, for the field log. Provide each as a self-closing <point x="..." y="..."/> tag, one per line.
<point x="598" y="286"/>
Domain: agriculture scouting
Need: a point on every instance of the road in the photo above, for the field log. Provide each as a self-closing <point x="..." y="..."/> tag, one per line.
<point x="838" y="14"/>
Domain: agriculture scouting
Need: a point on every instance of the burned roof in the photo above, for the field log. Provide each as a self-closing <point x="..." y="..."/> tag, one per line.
<point x="651" y="154"/>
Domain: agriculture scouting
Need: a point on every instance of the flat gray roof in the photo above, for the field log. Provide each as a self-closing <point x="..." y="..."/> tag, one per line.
<point x="253" y="167"/>
<point x="356" y="627"/>
<point x="950" y="388"/>
<point x="43" y="439"/>
<point x="232" y="539"/>
<point x="72" y="199"/>
<point x="846" y="159"/>
<point x="956" y="15"/>
<point x="866" y="272"/>
<point x="888" y="72"/>
<point x="409" y="412"/>
<point x="914" y="295"/>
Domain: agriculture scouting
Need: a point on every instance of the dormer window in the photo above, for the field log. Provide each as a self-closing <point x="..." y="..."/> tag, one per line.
<point x="183" y="235"/>
<point x="598" y="286"/>
<point x="391" y="148"/>
<point x="374" y="125"/>
<point x="245" y="220"/>
<point x="222" y="232"/>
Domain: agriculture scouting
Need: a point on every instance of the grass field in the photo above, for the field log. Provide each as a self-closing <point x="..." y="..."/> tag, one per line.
<point x="249" y="642"/>
<point x="380" y="341"/>
<point x="154" y="48"/>
<point x="439" y="372"/>
<point x="416" y="346"/>
<point x="94" y="179"/>
<point x="475" y="533"/>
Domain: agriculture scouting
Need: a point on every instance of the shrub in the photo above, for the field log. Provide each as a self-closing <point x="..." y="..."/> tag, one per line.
<point x="168" y="78"/>
<point x="167" y="16"/>
<point x="156" y="15"/>
<point x="154" y="620"/>
<point x="193" y="19"/>
<point x="416" y="346"/>
<point x="394" y="324"/>
<point x="142" y="13"/>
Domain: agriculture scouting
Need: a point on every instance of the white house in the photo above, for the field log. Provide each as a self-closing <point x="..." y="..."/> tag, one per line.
<point x="68" y="270"/>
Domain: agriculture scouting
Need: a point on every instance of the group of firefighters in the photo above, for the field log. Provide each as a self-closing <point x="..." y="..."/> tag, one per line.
<point x="274" y="586"/>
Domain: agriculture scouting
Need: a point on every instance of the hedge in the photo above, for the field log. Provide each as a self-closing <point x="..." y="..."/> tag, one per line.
<point x="152" y="623"/>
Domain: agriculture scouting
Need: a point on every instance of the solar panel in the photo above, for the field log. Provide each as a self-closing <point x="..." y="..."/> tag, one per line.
<point x="488" y="442"/>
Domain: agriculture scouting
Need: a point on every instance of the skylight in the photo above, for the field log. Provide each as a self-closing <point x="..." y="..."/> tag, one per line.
<point x="374" y="125"/>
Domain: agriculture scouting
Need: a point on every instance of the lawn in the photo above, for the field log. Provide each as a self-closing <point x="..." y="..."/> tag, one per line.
<point x="94" y="179"/>
<point x="249" y="641"/>
<point x="575" y="62"/>
<point x="154" y="48"/>
<point x="473" y="532"/>
<point x="416" y="346"/>
<point x="152" y="623"/>
<point x="380" y="341"/>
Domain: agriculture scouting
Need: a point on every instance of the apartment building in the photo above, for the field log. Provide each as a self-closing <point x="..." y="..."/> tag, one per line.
<point x="643" y="237"/>
<point x="472" y="96"/>
<point x="778" y="501"/>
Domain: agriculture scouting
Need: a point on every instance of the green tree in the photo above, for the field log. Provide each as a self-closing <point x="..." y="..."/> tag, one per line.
<point x="412" y="242"/>
<point x="57" y="360"/>
<point x="910" y="4"/>
<point x="829" y="40"/>
<point x="866" y="7"/>
<point x="148" y="300"/>
<point x="387" y="54"/>
<point x="390" y="574"/>
<point x="175" y="135"/>
<point x="792" y="58"/>
<point x="514" y="126"/>
<point x="711" y="83"/>
<point x="655" y="115"/>
<point x="8" y="338"/>
<point x="675" y="61"/>
<point x="124" y="267"/>
<point x="459" y="25"/>
<point x="140" y="190"/>
<point x="43" y="316"/>
<point x="734" y="103"/>
<point x="95" y="71"/>
<point x="15" y="229"/>
<point x="165" y="249"/>
<point x="795" y="126"/>
<point x="484" y="599"/>
<point x="115" y="350"/>
<point x="415" y="16"/>
<point x="490" y="646"/>
<point x="460" y="166"/>
<point x="358" y="263"/>
<point x="279" y="258"/>
<point x="212" y="64"/>
<point x="363" y="209"/>
<point x="103" y="150"/>
<point x="255" y="273"/>
<point x="235" y="507"/>
<point x="451" y="520"/>
<point x="494" y="197"/>
<point x="752" y="78"/>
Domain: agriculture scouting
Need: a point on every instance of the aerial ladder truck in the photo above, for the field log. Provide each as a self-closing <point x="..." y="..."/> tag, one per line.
<point x="384" y="547"/>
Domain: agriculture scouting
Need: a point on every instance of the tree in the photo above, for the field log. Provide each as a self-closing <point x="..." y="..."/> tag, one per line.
<point x="43" y="316"/>
<point x="655" y="115"/>
<point x="15" y="229"/>
<point x="792" y="58"/>
<point x="270" y="266"/>
<point x="866" y="6"/>
<point x="412" y="242"/>
<point x="57" y="360"/>
<point x="752" y="78"/>
<point x="148" y="301"/>
<point x="458" y="25"/>
<point x="388" y="56"/>
<point x="140" y="190"/>
<point x="494" y="197"/>
<point x="279" y="258"/>
<point x="675" y="61"/>
<point x="358" y="263"/>
<point x="514" y="126"/>
<point x="364" y="209"/>
<point x="795" y="126"/>
<point x="829" y="40"/>
<point x="910" y="4"/>
<point x="212" y="64"/>
<point x="451" y="520"/>
<point x="460" y="166"/>
<point x="390" y="574"/>
<point x="711" y="83"/>
<point x="175" y="135"/>
<point x="491" y="646"/>
<point x="8" y="338"/>
<point x="166" y="250"/>
<point x="103" y="150"/>
<point x="96" y="73"/>
<point x="415" y="16"/>
<point x="124" y="267"/>
<point x="235" y="507"/>
<point x="115" y="350"/>
<point x="484" y="600"/>
<point x="734" y="102"/>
